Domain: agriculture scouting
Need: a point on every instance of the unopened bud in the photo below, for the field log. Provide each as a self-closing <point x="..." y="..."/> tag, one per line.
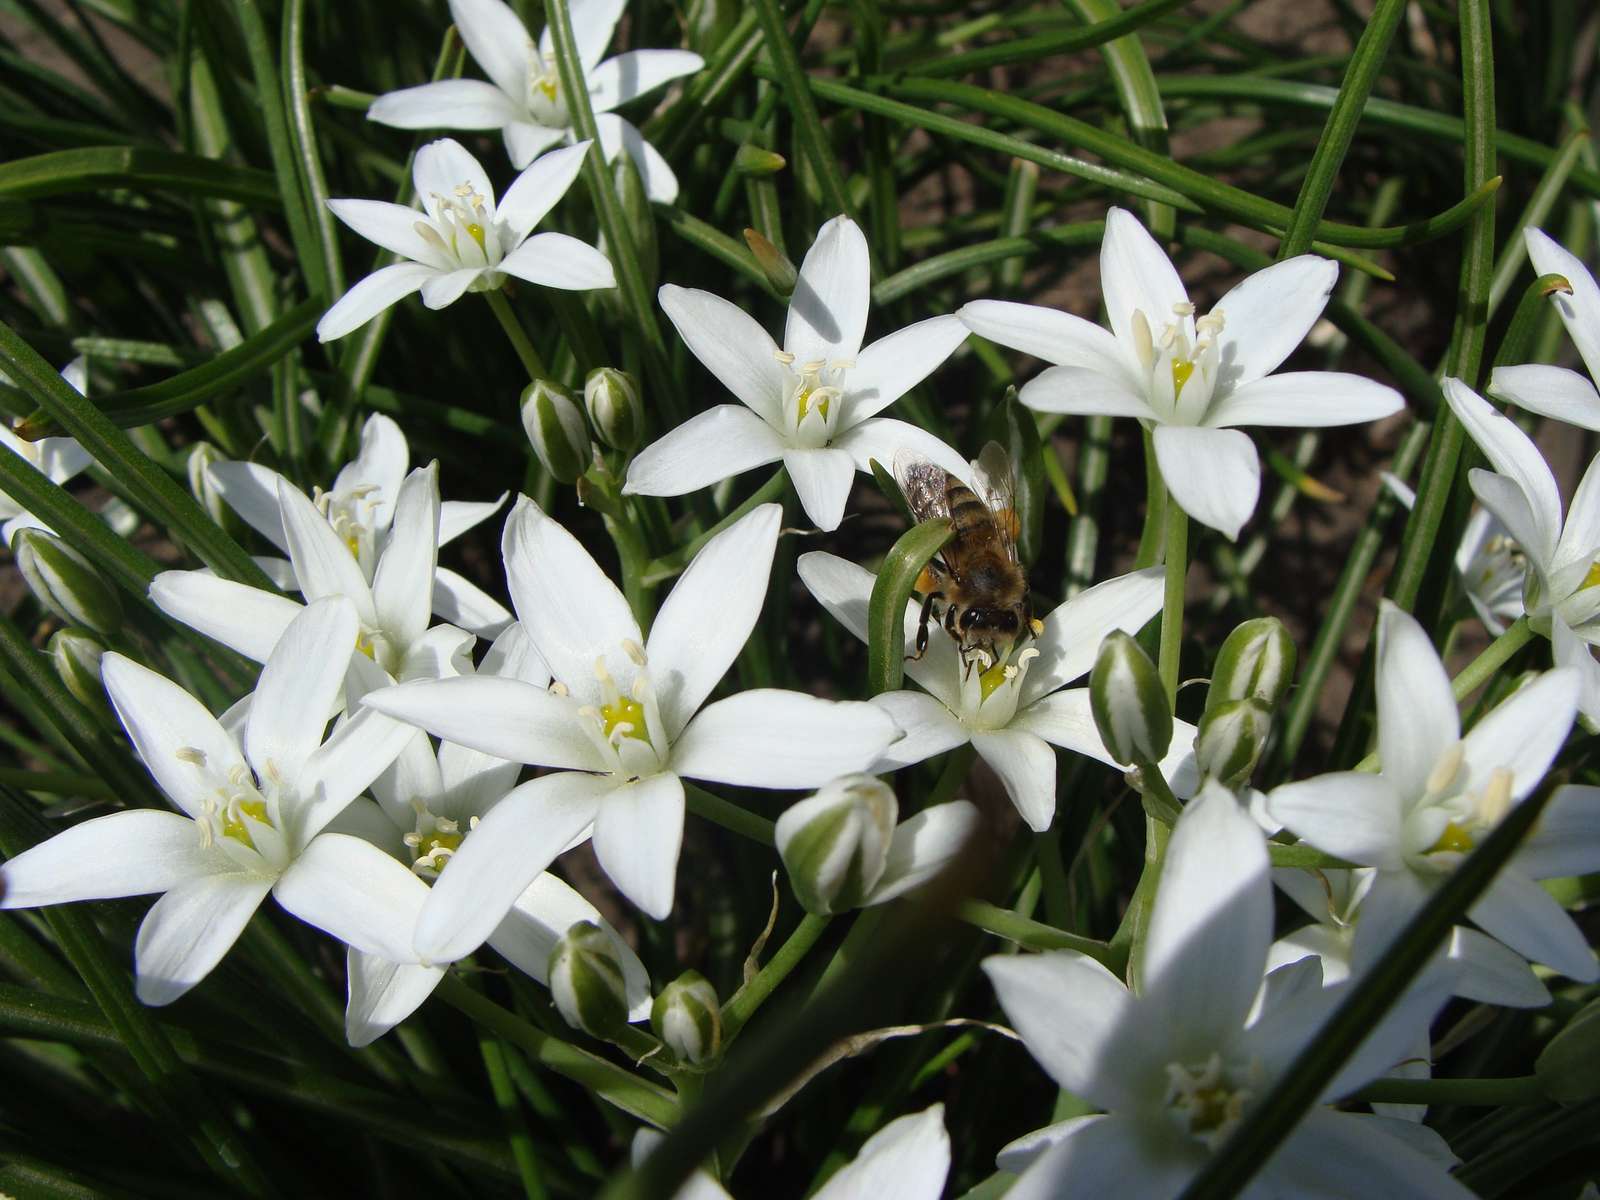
<point x="774" y="263"/>
<point x="1129" y="704"/>
<point x="64" y="582"/>
<point x="758" y="161"/>
<point x="611" y="398"/>
<point x="688" y="1019"/>
<point x="556" y="429"/>
<point x="835" y="844"/>
<point x="198" y="465"/>
<point x="1256" y="662"/>
<point x="76" y="653"/>
<point x="587" y="982"/>
<point x="1232" y="736"/>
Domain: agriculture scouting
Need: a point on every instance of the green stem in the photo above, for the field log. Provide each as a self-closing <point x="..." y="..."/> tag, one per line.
<point x="505" y="1100"/>
<point x="1035" y="935"/>
<point x="1479" y="671"/>
<point x="729" y="815"/>
<point x="1177" y="562"/>
<point x="1481" y="1093"/>
<point x="1159" y="802"/>
<point x="531" y="362"/>
<point x="807" y="122"/>
<point x="742" y="1005"/>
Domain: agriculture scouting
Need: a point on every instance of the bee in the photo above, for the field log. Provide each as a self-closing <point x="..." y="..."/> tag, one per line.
<point x="975" y="586"/>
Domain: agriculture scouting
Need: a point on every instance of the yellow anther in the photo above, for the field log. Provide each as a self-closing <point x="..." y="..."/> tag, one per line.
<point x="634" y="651"/>
<point x="783" y="356"/>
<point x="1496" y="799"/>
<point x="1455" y="839"/>
<point x="1183" y="309"/>
<point x="1182" y="368"/>
<point x="1143" y="344"/>
<point x="1445" y="770"/>
<point x="192" y="756"/>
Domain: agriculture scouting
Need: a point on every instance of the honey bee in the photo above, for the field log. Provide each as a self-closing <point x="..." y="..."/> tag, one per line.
<point x="975" y="586"/>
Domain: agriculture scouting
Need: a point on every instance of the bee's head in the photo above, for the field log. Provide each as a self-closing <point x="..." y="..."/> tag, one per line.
<point x="991" y="630"/>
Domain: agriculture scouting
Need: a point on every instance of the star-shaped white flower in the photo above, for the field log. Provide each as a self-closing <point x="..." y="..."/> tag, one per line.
<point x="1490" y="564"/>
<point x="462" y="241"/>
<point x="1191" y="379"/>
<point x="1439" y="793"/>
<point x="1178" y="1066"/>
<point x="1562" y="557"/>
<point x="58" y="459"/>
<point x="813" y="404"/>
<point x="253" y="812"/>
<point x="1013" y="711"/>
<point x="524" y="99"/>
<point x="623" y="723"/>
<point x="1555" y="391"/>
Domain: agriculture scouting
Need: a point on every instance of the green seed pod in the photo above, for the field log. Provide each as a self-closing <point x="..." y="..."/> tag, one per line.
<point x="75" y="653"/>
<point x="1256" y="662"/>
<point x="556" y="429"/>
<point x="1129" y="704"/>
<point x="64" y="582"/>
<point x="587" y="982"/>
<point x="757" y="161"/>
<point x="687" y="1017"/>
<point x="1232" y="736"/>
<point x="611" y="398"/>
<point x="774" y="263"/>
<point x="835" y="844"/>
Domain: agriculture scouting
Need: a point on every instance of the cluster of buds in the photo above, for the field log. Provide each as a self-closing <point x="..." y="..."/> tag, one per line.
<point x="558" y="432"/>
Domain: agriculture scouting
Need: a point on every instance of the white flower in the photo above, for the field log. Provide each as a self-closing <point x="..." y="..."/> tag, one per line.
<point x="524" y="98"/>
<point x="462" y="241"/>
<point x="1563" y="557"/>
<point x="813" y="404"/>
<point x="58" y="459"/>
<point x="1014" y="711"/>
<point x="907" y="1159"/>
<point x="1191" y="379"/>
<point x="623" y="723"/>
<point x="253" y="810"/>
<point x="1439" y="793"/>
<point x="1490" y="564"/>
<point x="1555" y="391"/>
<point x="1178" y="1066"/>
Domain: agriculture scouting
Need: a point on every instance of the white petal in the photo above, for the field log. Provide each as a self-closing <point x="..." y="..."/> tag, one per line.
<point x="379" y="467"/>
<point x="392" y="226"/>
<point x="511" y="847"/>
<point x="402" y="586"/>
<point x="298" y="687"/>
<point x="507" y="718"/>
<point x="1213" y="474"/>
<point x="537" y="190"/>
<point x="1549" y="391"/>
<point x="1027" y="767"/>
<point x="1502" y="496"/>
<point x="1020" y="1153"/>
<point x="1059" y="338"/>
<point x="706" y="620"/>
<point x="627" y="76"/>
<point x="526" y="140"/>
<point x="163" y="721"/>
<point x="926" y="726"/>
<point x="1211" y="922"/>
<point x="907" y="1159"/>
<point x="1269" y="313"/>
<point x="707" y="448"/>
<point x="1566" y="841"/>
<point x="1394" y="898"/>
<point x="322" y="561"/>
<point x="822" y="480"/>
<point x="732" y="346"/>
<point x="1527" y="918"/>
<point x="558" y="261"/>
<point x="1349" y="814"/>
<point x="444" y="290"/>
<point x="463" y="603"/>
<point x="241" y="617"/>
<point x="1493" y="973"/>
<point x="776" y="739"/>
<point x="1577" y="656"/>
<point x="370" y="296"/>
<point x="441" y="167"/>
<point x="497" y="41"/>
<point x="351" y="889"/>
<point x="1080" y="390"/>
<point x="1580" y="312"/>
<point x="1111" y="1156"/>
<point x="883" y="438"/>
<point x="188" y="930"/>
<point x="828" y="311"/>
<point x="458" y="516"/>
<point x="447" y="104"/>
<point x="637" y="834"/>
<point x="1417" y="720"/>
<point x="251" y="490"/>
<point x="125" y="854"/>
<point x="1073" y="632"/>
<point x="344" y="766"/>
<point x="1337" y="1154"/>
<point x="1580" y="537"/>
<point x="893" y="365"/>
<point x="1524" y="733"/>
<point x="617" y="136"/>
<point x="1135" y="273"/>
<point x="1303" y="399"/>
<point x="1515" y="456"/>
<point x="593" y="22"/>
<point x="574" y="614"/>
<point x="382" y="994"/>
<point x="923" y="846"/>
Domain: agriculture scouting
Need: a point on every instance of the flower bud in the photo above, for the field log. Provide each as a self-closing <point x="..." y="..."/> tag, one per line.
<point x="1232" y="736"/>
<point x="555" y="427"/>
<point x="757" y="161"/>
<point x="76" y="655"/>
<point x="611" y="398"/>
<point x="1129" y="704"/>
<point x="586" y="980"/>
<point x="64" y="582"/>
<point x="835" y="844"/>
<point x="688" y="1019"/>
<point x="1256" y="662"/>
<point x="774" y="263"/>
<point x="198" y="465"/>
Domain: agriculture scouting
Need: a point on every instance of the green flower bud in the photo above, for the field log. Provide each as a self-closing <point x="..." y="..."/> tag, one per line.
<point x="757" y="161"/>
<point x="1129" y="704"/>
<point x="198" y="464"/>
<point x="556" y="429"/>
<point x="688" y="1019"/>
<point x="1232" y="736"/>
<point x="64" y="582"/>
<point x="1256" y="662"/>
<point x="76" y="655"/>
<point x="1566" y="1066"/>
<point x="611" y="398"/>
<point x="835" y="844"/>
<point x="774" y="263"/>
<point x="586" y="980"/>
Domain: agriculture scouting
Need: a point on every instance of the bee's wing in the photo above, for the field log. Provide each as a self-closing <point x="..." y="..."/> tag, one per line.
<point x="923" y="483"/>
<point x="997" y="485"/>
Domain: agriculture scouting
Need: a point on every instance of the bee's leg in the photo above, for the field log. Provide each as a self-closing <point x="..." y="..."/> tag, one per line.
<point x="922" y="625"/>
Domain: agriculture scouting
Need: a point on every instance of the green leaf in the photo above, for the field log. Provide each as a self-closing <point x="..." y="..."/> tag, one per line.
<point x="94" y="168"/>
<point x="897" y="578"/>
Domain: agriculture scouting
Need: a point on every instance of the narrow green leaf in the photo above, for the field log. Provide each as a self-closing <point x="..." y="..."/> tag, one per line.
<point x="1551" y="184"/>
<point x="93" y="168"/>
<point x="303" y="146"/>
<point x="807" y="121"/>
<point x="897" y="578"/>
<point x="1015" y="51"/>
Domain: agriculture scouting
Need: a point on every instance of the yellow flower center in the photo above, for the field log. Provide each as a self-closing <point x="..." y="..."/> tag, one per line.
<point x="990" y="680"/>
<point x="233" y="823"/>
<point x="825" y="394"/>
<point x="475" y="231"/>
<point x="1593" y="577"/>
<point x="549" y="85"/>
<point x="1182" y="369"/>
<point x="1455" y="839"/>
<point x="622" y="712"/>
